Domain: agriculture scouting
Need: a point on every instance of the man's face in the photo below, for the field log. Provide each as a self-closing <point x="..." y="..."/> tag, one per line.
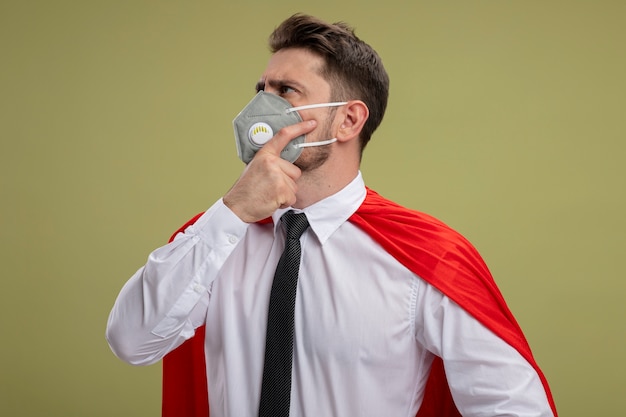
<point x="294" y="74"/>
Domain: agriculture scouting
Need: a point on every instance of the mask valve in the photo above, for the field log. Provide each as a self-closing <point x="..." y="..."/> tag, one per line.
<point x="260" y="133"/>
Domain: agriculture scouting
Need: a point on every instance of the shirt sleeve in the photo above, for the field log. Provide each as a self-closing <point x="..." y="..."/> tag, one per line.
<point x="166" y="300"/>
<point x="486" y="376"/>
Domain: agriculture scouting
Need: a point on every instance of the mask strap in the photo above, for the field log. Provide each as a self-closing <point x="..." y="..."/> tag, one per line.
<point x="320" y="143"/>
<point x="315" y="106"/>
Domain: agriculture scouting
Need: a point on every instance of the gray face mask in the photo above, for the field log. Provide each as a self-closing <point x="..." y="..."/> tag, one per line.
<point x="263" y="117"/>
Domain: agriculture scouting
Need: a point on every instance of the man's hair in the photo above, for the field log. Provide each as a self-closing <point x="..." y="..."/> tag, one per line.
<point x="352" y="68"/>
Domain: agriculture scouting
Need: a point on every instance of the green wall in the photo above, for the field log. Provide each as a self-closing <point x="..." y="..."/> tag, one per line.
<point x="506" y="120"/>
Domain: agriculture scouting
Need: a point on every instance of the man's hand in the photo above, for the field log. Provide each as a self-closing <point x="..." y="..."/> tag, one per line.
<point x="268" y="182"/>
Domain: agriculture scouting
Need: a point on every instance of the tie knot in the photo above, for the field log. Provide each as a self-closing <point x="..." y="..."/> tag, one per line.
<point x="295" y="224"/>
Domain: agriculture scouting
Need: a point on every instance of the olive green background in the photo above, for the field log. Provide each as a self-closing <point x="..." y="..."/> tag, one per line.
<point x="506" y="120"/>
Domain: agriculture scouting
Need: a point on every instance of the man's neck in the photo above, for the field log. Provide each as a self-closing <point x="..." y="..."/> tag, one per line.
<point x="321" y="183"/>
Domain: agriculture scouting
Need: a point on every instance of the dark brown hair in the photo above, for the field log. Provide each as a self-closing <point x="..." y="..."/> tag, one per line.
<point x="353" y="69"/>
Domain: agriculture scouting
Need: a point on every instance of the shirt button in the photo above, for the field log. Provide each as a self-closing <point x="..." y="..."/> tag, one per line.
<point x="198" y="288"/>
<point x="232" y="239"/>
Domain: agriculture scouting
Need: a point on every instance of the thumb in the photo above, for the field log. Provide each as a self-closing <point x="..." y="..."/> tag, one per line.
<point x="285" y="135"/>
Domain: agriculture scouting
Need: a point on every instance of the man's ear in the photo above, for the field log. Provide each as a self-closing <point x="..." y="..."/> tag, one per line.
<point x="354" y="114"/>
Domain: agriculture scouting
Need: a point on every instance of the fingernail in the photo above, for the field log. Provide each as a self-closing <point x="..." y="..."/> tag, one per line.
<point x="312" y="122"/>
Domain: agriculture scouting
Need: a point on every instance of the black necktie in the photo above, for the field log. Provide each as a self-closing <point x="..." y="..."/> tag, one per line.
<point x="276" y="386"/>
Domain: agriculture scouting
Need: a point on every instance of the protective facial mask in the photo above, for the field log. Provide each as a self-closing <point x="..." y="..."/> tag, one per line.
<point x="263" y="117"/>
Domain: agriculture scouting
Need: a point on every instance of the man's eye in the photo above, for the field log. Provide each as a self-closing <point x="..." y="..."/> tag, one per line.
<point x="286" y="89"/>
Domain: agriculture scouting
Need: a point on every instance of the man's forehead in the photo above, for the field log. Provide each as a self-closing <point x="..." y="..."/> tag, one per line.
<point x="283" y="63"/>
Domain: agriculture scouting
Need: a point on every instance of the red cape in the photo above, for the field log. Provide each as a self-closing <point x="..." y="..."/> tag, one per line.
<point x="423" y="244"/>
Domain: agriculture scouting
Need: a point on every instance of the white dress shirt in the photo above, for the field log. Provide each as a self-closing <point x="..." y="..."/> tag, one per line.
<point x="366" y="328"/>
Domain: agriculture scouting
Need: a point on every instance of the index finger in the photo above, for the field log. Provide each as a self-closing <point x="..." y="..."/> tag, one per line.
<point x="285" y="135"/>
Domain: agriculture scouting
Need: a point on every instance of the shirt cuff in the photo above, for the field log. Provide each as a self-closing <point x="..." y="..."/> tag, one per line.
<point x="219" y="227"/>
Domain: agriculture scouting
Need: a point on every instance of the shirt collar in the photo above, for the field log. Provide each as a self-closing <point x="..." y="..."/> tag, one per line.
<point x="328" y="214"/>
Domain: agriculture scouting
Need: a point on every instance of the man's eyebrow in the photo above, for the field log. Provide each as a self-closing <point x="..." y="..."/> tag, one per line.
<point x="278" y="83"/>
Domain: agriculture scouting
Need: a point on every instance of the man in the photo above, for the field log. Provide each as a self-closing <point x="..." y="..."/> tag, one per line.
<point x="386" y="300"/>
